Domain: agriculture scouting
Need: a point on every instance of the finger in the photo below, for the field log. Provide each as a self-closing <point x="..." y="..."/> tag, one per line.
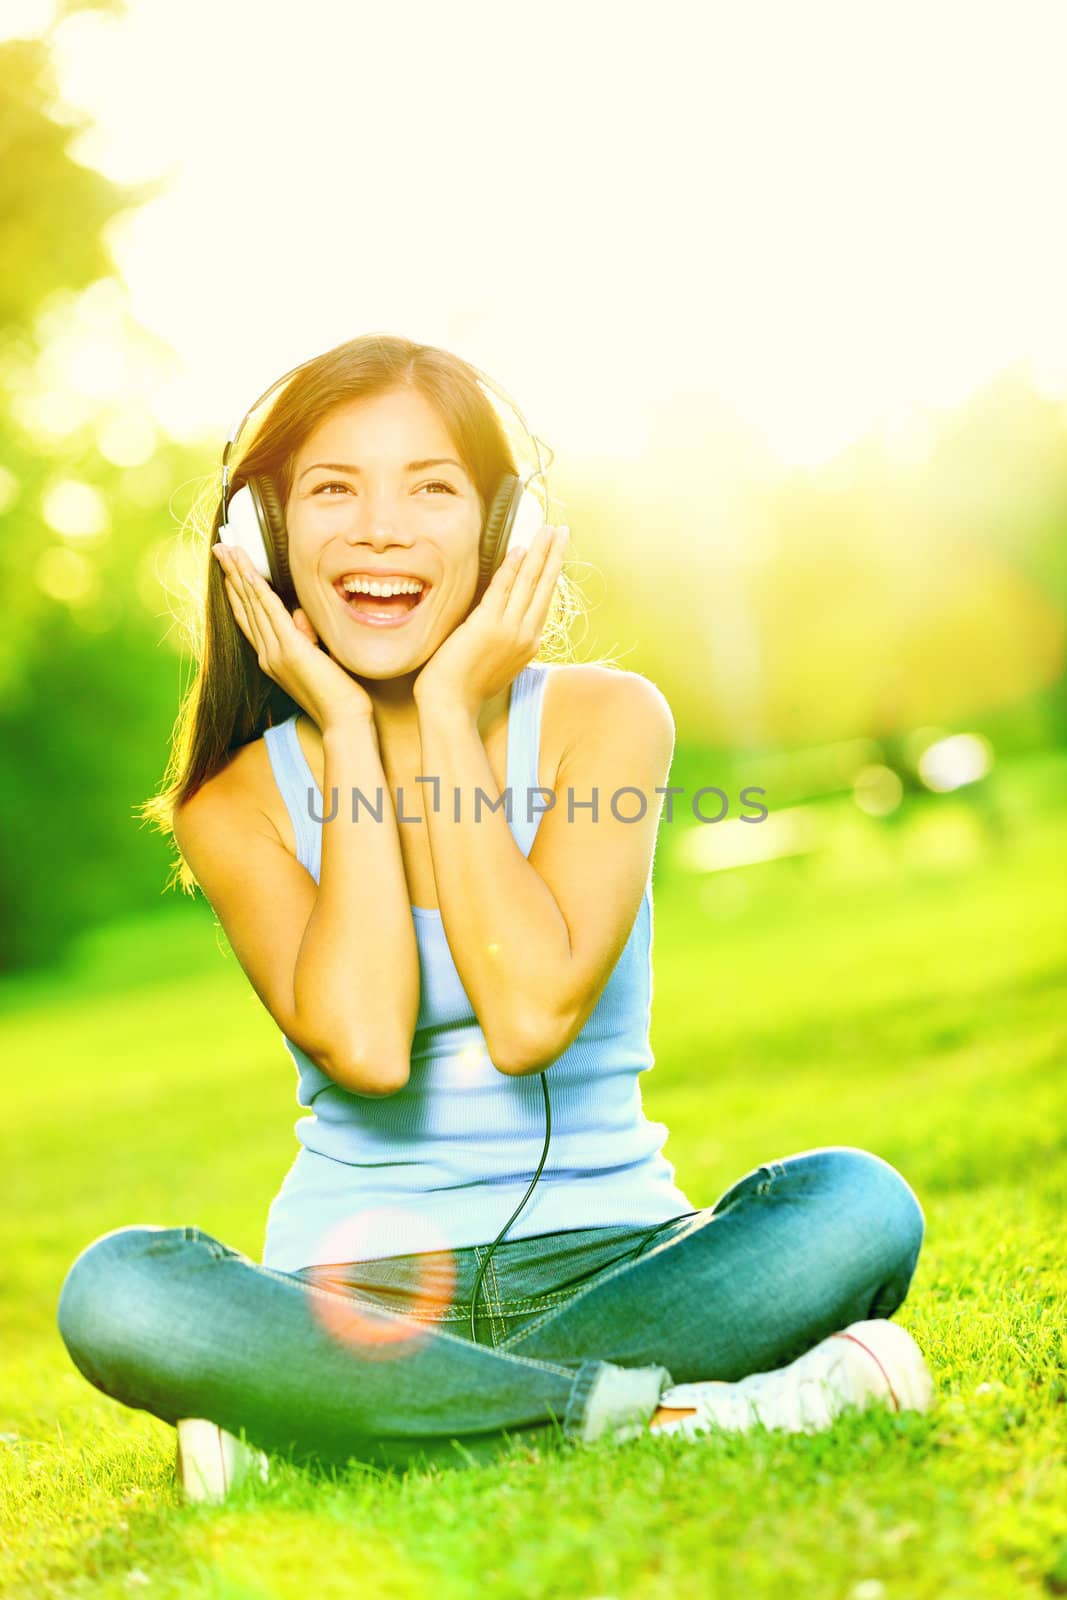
<point x="526" y="572"/>
<point x="541" y="600"/>
<point x="539" y="559"/>
<point x="500" y="584"/>
<point x="546" y="584"/>
<point x="274" y="611"/>
<point x="237" y="606"/>
<point x="266" y="608"/>
<point x="253" y="628"/>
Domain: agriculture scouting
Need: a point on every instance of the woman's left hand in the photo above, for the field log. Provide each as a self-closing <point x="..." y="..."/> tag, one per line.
<point x="501" y="635"/>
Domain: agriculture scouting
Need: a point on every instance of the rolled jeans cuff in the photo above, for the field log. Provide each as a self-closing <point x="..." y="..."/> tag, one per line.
<point x="613" y="1402"/>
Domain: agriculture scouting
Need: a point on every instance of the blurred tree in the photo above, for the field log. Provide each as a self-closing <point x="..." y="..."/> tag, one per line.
<point x="774" y="608"/>
<point x="86" y="694"/>
<point x="42" y="190"/>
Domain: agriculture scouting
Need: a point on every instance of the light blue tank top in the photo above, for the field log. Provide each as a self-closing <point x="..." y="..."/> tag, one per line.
<point x="442" y="1163"/>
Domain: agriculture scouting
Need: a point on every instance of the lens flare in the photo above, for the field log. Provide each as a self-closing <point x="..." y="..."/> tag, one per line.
<point x="380" y="1333"/>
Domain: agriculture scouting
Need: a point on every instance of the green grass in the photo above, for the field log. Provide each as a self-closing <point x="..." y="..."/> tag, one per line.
<point x="903" y="992"/>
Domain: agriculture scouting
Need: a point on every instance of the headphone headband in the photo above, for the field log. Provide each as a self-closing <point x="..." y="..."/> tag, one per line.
<point x="482" y="378"/>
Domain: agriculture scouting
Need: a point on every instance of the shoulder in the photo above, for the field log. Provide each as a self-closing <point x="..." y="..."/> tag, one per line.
<point x="241" y="795"/>
<point x="587" y="695"/>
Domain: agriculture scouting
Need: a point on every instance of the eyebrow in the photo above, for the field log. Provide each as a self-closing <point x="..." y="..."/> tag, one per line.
<point x="412" y="466"/>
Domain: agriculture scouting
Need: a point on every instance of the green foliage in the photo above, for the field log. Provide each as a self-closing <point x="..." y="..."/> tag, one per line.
<point x="54" y="209"/>
<point x="776" y="610"/>
<point x="86" y="693"/>
<point x="869" y="596"/>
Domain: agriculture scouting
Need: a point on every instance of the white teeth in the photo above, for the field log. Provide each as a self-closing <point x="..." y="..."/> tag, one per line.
<point x="384" y="589"/>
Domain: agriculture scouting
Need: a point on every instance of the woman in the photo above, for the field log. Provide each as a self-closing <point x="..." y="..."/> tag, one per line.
<point x="425" y="964"/>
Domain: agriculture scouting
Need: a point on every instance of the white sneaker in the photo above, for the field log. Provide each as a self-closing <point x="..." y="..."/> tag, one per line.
<point x="867" y="1363"/>
<point x="209" y="1462"/>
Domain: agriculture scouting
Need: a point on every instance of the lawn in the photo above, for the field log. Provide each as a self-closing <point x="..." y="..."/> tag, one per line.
<point x="903" y="991"/>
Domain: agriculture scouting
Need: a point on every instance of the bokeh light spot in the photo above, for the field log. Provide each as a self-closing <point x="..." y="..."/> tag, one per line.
<point x="471" y="1059"/>
<point x="65" y="575"/>
<point x="877" y="790"/>
<point x="127" y="439"/>
<point x="9" y="489"/>
<point x="953" y="762"/>
<point x="74" y="509"/>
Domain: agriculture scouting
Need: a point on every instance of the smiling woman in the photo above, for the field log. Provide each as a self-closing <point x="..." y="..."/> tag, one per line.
<point x="420" y="976"/>
<point x="300" y="447"/>
<point x="440" y="503"/>
<point x="371" y="595"/>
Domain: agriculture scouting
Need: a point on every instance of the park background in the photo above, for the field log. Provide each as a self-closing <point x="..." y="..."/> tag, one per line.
<point x="782" y="288"/>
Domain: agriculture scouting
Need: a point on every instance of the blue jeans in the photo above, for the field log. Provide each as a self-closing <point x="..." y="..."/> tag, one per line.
<point x="582" y="1330"/>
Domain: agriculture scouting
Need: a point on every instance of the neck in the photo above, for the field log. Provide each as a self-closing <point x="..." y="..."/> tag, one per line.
<point x="396" y="715"/>
<point x="395" y="711"/>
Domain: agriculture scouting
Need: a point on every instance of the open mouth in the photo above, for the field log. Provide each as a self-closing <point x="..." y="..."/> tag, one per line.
<point x="380" y="611"/>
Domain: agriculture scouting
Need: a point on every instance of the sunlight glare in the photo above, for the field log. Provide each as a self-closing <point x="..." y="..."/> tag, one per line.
<point x="25" y="19"/>
<point x="765" y="228"/>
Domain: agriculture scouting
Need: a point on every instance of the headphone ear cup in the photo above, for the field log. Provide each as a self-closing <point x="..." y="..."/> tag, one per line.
<point x="241" y="528"/>
<point x="498" y="524"/>
<point x="271" y="516"/>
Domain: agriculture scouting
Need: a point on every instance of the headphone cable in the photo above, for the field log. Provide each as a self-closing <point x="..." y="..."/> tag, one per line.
<point x="518" y="1208"/>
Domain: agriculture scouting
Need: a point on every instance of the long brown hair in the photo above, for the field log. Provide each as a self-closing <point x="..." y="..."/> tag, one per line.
<point x="231" y="700"/>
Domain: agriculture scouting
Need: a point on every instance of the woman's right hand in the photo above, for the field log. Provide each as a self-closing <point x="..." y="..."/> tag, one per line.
<point x="287" y="647"/>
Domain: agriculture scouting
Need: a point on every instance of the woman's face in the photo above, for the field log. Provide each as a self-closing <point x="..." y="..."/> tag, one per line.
<point x="378" y="489"/>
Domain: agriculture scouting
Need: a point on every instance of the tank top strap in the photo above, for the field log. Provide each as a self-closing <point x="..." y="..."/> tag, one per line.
<point x="298" y="789"/>
<point x="524" y="750"/>
<point x="296" y="784"/>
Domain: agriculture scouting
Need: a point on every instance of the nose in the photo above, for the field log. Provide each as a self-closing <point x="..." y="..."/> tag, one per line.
<point x="379" y="530"/>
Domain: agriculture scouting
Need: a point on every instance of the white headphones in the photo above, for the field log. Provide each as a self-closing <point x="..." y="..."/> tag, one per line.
<point x="253" y="517"/>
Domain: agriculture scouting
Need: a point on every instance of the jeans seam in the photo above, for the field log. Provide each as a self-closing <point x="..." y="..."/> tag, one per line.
<point x="506" y="1308"/>
<point x="535" y="1302"/>
<point x="608" y="1277"/>
<point x="488" y="1285"/>
<point x="500" y="1330"/>
<point x="334" y="1294"/>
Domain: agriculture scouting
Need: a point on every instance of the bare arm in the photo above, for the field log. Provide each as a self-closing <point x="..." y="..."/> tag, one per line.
<point x="357" y="969"/>
<point x="535" y="940"/>
<point x="336" y="964"/>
